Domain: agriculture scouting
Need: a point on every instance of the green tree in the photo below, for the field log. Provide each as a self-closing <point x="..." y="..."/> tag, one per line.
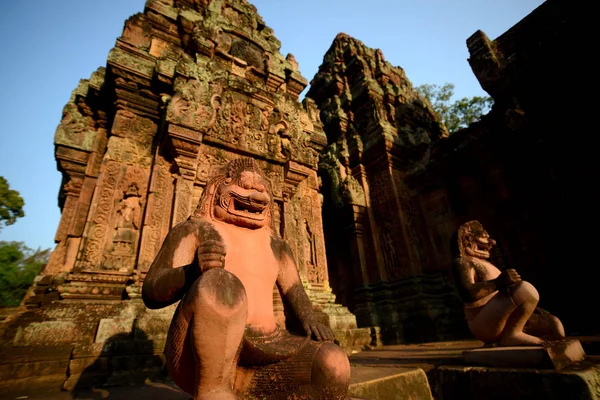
<point x="19" y="265"/>
<point x="458" y="114"/>
<point x="11" y="204"/>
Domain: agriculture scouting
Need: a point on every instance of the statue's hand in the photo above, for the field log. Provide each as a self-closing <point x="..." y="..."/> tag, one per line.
<point x="321" y="332"/>
<point x="507" y="278"/>
<point x="211" y="254"/>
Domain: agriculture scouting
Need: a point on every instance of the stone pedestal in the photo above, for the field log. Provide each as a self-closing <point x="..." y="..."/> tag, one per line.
<point x="555" y="356"/>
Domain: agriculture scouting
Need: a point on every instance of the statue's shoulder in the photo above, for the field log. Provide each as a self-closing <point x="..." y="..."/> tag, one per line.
<point x="462" y="262"/>
<point x="191" y="226"/>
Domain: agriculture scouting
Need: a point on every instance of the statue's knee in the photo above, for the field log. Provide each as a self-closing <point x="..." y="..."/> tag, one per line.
<point x="219" y="288"/>
<point x="525" y="292"/>
<point x="331" y="366"/>
<point x="557" y="327"/>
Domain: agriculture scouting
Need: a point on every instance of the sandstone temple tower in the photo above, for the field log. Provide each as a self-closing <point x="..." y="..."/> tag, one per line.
<point x="380" y="132"/>
<point x="189" y="86"/>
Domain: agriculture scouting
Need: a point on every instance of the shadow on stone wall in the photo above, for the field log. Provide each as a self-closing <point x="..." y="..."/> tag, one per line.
<point x="126" y="367"/>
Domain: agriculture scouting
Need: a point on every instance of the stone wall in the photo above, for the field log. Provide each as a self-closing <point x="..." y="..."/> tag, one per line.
<point x="527" y="169"/>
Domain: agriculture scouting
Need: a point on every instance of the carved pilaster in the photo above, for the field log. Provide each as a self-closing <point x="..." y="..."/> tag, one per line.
<point x="158" y="214"/>
<point x="71" y="191"/>
<point x="98" y="226"/>
<point x="185" y="146"/>
<point x="358" y="248"/>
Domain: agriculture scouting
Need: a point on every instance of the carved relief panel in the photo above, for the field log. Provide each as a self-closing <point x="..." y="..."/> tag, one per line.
<point x="241" y="122"/>
<point x="112" y="232"/>
<point x="304" y="230"/>
<point x="158" y="212"/>
<point x="195" y="103"/>
<point x="388" y="225"/>
<point x="412" y="221"/>
<point x="131" y="140"/>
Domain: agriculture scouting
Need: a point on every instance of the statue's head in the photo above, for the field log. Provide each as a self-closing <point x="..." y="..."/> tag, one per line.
<point x="239" y="195"/>
<point x="473" y="240"/>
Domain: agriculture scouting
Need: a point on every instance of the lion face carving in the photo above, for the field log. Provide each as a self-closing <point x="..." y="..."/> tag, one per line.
<point x="240" y="196"/>
<point x="474" y="241"/>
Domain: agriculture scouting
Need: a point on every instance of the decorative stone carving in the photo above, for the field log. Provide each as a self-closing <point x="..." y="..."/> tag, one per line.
<point x="498" y="304"/>
<point x="188" y="87"/>
<point x="158" y="212"/>
<point x="379" y="130"/>
<point x="228" y="247"/>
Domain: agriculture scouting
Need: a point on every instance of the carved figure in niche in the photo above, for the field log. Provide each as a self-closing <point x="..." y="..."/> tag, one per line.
<point x="500" y="307"/>
<point x="128" y="219"/>
<point x="222" y="263"/>
<point x="129" y="210"/>
<point x="390" y="256"/>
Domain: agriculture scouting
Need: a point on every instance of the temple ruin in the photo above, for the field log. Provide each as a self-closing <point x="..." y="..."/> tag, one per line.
<point x="368" y="184"/>
<point x="380" y="131"/>
<point x="189" y="86"/>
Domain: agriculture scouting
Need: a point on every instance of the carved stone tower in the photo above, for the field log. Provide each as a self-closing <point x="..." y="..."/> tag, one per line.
<point x="379" y="131"/>
<point x="188" y="86"/>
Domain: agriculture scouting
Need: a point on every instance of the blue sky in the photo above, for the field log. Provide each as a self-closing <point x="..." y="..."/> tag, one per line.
<point x="48" y="46"/>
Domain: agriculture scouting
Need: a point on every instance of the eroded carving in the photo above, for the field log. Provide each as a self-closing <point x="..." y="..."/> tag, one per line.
<point x="222" y="264"/>
<point x="498" y="304"/>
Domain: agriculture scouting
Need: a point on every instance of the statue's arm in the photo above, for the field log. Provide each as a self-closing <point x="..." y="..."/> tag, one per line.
<point x="174" y="269"/>
<point x="470" y="290"/>
<point x="290" y="286"/>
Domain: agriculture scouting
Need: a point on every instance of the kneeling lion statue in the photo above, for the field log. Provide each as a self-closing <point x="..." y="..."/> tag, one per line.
<point x="222" y="264"/>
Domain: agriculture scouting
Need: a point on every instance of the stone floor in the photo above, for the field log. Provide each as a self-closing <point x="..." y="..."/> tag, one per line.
<point x="390" y="373"/>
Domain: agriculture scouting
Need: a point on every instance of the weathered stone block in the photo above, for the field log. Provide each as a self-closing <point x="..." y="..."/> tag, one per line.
<point x="581" y="381"/>
<point x="153" y="324"/>
<point x="49" y="332"/>
<point x="555" y="356"/>
<point x="109" y="327"/>
<point x="389" y="383"/>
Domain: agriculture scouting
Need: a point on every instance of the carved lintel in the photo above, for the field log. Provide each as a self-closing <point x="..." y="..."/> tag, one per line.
<point x="274" y="81"/>
<point x="238" y="67"/>
<point x="84" y="290"/>
<point x="188" y="135"/>
<point x="131" y="61"/>
<point x="295" y="173"/>
<point x="71" y="161"/>
<point x="296" y="83"/>
<point x="318" y="140"/>
<point x="185" y="146"/>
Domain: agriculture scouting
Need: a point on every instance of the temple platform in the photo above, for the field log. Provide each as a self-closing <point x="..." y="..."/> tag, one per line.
<point x="429" y="371"/>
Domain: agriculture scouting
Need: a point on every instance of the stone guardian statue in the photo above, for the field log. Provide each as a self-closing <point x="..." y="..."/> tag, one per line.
<point x="222" y="264"/>
<point x="500" y="307"/>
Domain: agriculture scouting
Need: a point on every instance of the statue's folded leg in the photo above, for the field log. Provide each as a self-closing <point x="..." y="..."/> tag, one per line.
<point x="317" y="370"/>
<point x="525" y="298"/>
<point x="503" y="317"/>
<point x="545" y="325"/>
<point x="205" y="335"/>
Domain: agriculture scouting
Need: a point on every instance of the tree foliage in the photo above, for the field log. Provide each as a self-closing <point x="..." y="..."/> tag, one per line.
<point x="19" y="265"/>
<point x="11" y="204"/>
<point x="458" y="114"/>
